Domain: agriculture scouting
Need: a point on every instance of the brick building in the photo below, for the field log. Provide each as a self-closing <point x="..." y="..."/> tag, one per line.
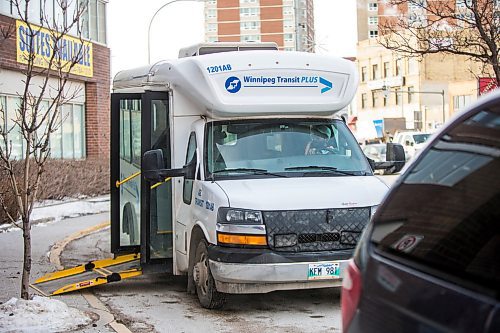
<point x="289" y="23"/>
<point x="84" y="128"/>
<point x="413" y="93"/>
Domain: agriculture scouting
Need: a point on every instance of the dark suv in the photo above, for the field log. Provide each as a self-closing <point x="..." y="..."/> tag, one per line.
<point x="429" y="261"/>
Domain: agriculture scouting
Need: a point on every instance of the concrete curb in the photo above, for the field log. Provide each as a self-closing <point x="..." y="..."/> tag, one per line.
<point x="105" y="316"/>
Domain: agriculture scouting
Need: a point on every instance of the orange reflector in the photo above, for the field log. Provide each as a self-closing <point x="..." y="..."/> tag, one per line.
<point x="241" y="239"/>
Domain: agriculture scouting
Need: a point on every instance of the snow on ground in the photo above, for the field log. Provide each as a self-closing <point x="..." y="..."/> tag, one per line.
<point x="56" y="210"/>
<point x="40" y="315"/>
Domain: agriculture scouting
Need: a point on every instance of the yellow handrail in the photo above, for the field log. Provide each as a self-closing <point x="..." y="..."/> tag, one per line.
<point x="159" y="183"/>
<point x="120" y="182"/>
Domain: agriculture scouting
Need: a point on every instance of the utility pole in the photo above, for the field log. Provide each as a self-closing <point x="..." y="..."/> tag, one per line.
<point x="298" y="32"/>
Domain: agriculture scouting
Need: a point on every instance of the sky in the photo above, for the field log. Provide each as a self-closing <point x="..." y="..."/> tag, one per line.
<point x="181" y="24"/>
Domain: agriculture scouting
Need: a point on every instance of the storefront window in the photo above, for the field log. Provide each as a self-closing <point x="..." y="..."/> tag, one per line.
<point x="67" y="141"/>
<point x="56" y="137"/>
<point x="67" y="131"/>
<point x="78" y="131"/>
<point x="14" y="136"/>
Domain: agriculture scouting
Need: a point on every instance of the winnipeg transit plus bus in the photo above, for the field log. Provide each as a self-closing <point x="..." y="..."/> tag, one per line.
<point x="249" y="182"/>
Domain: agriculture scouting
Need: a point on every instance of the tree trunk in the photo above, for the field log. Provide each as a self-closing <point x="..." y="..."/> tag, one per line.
<point x="25" y="282"/>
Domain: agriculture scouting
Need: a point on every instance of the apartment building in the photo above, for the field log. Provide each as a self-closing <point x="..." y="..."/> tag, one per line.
<point x="288" y="23"/>
<point x="83" y="130"/>
<point x="405" y="92"/>
<point x="411" y="93"/>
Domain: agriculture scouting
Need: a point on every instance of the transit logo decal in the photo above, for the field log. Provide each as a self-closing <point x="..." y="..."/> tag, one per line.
<point x="234" y="84"/>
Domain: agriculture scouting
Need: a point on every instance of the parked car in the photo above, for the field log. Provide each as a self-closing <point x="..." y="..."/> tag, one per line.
<point x="411" y="141"/>
<point x="429" y="259"/>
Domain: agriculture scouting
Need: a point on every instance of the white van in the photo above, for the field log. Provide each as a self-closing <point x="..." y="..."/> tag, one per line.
<point x="251" y="183"/>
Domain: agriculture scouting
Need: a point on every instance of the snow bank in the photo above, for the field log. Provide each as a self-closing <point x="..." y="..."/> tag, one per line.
<point x="55" y="210"/>
<point x="41" y="314"/>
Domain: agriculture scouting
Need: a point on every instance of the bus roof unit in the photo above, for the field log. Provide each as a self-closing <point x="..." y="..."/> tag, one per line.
<point x="254" y="83"/>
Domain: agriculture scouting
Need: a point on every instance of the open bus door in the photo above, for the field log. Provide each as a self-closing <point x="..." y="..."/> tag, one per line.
<point x="141" y="212"/>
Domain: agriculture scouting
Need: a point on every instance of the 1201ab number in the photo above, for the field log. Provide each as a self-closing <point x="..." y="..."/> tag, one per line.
<point x="219" y="68"/>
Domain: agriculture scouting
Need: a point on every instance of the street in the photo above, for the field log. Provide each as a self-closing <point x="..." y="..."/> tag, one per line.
<point x="159" y="302"/>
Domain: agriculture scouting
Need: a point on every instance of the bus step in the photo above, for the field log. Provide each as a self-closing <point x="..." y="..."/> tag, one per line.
<point x="89" y="275"/>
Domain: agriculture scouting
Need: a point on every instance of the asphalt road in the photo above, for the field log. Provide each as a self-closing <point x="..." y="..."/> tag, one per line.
<point x="159" y="303"/>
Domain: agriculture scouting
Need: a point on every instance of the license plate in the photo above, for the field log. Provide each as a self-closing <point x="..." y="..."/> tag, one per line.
<point x="329" y="270"/>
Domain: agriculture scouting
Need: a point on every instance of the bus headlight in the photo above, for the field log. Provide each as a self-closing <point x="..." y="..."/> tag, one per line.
<point x="239" y="216"/>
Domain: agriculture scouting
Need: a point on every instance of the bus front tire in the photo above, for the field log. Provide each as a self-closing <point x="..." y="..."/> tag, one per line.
<point x="207" y="293"/>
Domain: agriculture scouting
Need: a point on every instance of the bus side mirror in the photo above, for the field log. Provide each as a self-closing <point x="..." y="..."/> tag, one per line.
<point x="395" y="159"/>
<point x="153" y="167"/>
<point x="396" y="155"/>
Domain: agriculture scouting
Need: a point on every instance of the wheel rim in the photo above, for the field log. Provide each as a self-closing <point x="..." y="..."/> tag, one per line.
<point x="200" y="274"/>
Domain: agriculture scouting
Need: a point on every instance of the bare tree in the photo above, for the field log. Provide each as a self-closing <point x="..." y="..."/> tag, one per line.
<point x="49" y="56"/>
<point x="469" y="28"/>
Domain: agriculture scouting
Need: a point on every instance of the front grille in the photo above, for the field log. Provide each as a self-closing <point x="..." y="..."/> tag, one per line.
<point x="315" y="230"/>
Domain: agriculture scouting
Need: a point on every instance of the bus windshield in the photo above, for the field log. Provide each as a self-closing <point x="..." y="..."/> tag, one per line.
<point x="284" y="148"/>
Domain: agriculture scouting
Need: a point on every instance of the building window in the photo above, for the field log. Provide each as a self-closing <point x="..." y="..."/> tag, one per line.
<point x="363" y="101"/>
<point x="397" y="92"/>
<point x="288" y="37"/>
<point x="373" y="20"/>
<point x="459" y="102"/>
<point x="242" y="2"/>
<point x="212" y="13"/>
<point x="250" y="38"/>
<point x="287" y="10"/>
<point x="212" y="39"/>
<point x="384" y="99"/>
<point x="5" y="7"/>
<point x="387" y="72"/>
<point x="253" y="11"/>
<point x="250" y="25"/>
<point x="363" y="74"/>
<point x="373" y="34"/>
<point x="94" y="20"/>
<point x="410" y="94"/>
<point x="374" y="72"/>
<point x="288" y="24"/>
<point x="398" y="67"/>
<point x="211" y="27"/>
<point x="463" y="4"/>
<point x="374" y="99"/>
<point x="373" y="6"/>
<point x="68" y="141"/>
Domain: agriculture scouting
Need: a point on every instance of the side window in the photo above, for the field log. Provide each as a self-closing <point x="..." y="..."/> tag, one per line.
<point x="190" y="159"/>
<point x="445" y="215"/>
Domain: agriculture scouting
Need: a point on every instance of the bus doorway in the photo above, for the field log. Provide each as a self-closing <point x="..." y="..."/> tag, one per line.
<point x="141" y="212"/>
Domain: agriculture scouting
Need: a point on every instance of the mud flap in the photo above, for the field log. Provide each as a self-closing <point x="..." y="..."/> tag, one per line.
<point x="89" y="275"/>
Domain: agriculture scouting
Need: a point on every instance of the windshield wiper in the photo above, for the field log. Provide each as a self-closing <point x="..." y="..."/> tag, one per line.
<point x="321" y="168"/>
<point x="250" y="170"/>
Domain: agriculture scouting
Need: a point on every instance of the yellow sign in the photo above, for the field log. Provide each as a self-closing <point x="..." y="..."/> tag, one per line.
<point x="42" y="43"/>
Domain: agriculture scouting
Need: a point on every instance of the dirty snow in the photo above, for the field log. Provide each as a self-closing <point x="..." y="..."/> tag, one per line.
<point x="40" y="315"/>
<point x="56" y="210"/>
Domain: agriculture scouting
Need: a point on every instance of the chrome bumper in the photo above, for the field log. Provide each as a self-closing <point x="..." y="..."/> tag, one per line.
<point x="240" y="278"/>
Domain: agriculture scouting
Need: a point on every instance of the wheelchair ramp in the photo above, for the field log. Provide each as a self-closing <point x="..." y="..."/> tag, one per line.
<point x="89" y="275"/>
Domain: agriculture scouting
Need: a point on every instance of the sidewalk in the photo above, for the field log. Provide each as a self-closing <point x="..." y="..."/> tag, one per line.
<point x="53" y="222"/>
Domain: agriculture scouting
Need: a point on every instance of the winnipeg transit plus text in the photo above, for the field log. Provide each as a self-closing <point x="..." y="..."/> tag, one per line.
<point x="280" y="79"/>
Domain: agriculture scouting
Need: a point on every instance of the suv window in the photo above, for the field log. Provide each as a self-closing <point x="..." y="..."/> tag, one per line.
<point x="445" y="215"/>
